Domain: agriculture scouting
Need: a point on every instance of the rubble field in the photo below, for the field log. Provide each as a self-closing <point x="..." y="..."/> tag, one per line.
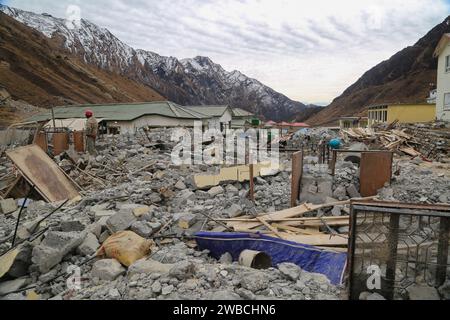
<point x="132" y="185"/>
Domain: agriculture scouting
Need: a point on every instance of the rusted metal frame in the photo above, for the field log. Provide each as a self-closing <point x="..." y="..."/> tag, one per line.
<point x="412" y="212"/>
<point x="392" y="209"/>
<point x="351" y="250"/>
<point x="393" y="204"/>
<point x="252" y="183"/>
<point x="442" y="254"/>
<point x="333" y="163"/>
<point x="296" y="176"/>
<point x="392" y="256"/>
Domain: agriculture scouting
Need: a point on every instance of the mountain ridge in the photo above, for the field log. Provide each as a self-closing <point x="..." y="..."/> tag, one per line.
<point x="403" y="78"/>
<point x="190" y="81"/>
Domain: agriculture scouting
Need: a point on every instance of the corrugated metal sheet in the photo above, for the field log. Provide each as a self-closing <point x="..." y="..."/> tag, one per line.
<point x="122" y="111"/>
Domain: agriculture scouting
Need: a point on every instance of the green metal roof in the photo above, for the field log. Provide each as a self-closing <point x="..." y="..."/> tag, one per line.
<point x="238" y="112"/>
<point x="210" y="110"/>
<point x="122" y="111"/>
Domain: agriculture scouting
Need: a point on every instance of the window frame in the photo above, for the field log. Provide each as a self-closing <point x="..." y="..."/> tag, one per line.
<point x="447" y="63"/>
<point x="446" y="104"/>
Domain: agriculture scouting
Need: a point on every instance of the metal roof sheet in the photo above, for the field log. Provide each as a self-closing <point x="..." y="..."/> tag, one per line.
<point x="122" y="111"/>
<point x="212" y="111"/>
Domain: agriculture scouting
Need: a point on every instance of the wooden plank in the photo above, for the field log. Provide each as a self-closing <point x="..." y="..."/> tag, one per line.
<point x="307" y="231"/>
<point x="288" y="213"/>
<point x="268" y="226"/>
<point x="37" y="167"/>
<point x="375" y="171"/>
<point x="317" y="239"/>
<point x="297" y="172"/>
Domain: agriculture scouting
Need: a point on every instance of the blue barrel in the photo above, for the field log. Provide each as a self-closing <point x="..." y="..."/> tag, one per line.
<point x="335" y="143"/>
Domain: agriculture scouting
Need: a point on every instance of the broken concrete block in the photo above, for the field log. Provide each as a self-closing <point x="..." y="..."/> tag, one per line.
<point x="180" y="185"/>
<point x="105" y="235"/>
<point x="72" y="225"/>
<point x="290" y="270"/>
<point x="54" y="248"/>
<point x="107" y="269"/>
<point x="8" y="206"/>
<point x="234" y="210"/>
<point x="340" y="193"/>
<point x="140" y="211"/>
<point x="214" y="191"/>
<point x="418" y="292"/>
<point x="230" y="189"/>
<point x="22" y="261"/>
<point x="98" y="214"/>
<point x="254" y="281"/>
<point x="12" y="285"/>
<point x="325" y="188"/>
<point x="167" y="290"/>
<point x="89" y="246"/>
<point x="182" y="270"/>
<point x="120" y="221"/>
<point x="226" y="258"/>
<point x="156" y="287"/>
<point x="96" y="228"/>
<point x="353" y="192"/>
<point x="149" y="266"/>
<point x="186" y="220"/>
<point x="142" y="228"/>
<point x="336" y="211"/>
<point x="225" y="295"/>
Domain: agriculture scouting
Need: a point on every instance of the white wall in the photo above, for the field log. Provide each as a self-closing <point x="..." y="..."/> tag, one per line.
<point x="130" y="127"/>
<point x="443" y="86"/>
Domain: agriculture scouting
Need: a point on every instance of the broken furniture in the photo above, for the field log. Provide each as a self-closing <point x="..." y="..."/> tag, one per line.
<point x="40" y="171"/>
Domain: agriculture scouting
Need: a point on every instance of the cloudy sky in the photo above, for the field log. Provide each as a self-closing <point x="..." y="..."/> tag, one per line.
<point x="308" y="50"/>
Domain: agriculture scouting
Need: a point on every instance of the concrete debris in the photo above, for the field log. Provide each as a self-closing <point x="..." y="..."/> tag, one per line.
<point x="107" y="269"/>
<point x="417" y="292"/>
<point x="133" y="186"/>
<point x="8" y="206"/>
<point x="54" y="248"/>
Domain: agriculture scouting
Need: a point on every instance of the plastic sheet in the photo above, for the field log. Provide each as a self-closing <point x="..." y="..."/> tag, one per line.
<point x="311" y="259"/>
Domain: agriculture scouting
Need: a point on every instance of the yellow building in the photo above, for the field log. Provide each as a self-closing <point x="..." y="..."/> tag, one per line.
<point x="402" y="112"/>
<point x="353" y="122"/>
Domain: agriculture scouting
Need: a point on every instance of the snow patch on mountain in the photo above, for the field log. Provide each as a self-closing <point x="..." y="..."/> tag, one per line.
<point x="188" y="81"/>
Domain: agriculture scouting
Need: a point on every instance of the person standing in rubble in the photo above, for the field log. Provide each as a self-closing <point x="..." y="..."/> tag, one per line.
<point x="91" y="131"/>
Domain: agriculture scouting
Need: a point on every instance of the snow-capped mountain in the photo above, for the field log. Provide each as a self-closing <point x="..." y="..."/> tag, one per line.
<point x="193" y="81"/>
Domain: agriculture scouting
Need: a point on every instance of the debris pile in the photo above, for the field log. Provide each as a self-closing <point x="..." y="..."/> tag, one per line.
<point x="412" y="140"/>
<point x="132" y="191"/>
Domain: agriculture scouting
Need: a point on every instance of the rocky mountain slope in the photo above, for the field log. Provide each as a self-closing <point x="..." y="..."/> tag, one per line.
<point x="189" y="81"/>
<point x="405" y="77"/>
<point x="34" y="69"/>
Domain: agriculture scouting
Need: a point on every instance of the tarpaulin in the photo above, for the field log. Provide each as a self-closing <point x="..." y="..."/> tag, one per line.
<point x="311" y="259"/>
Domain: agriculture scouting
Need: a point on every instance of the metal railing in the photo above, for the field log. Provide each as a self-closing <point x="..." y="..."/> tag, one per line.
<point x="403" y="244"/>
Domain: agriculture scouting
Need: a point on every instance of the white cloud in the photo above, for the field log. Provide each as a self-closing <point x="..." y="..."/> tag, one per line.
<point x="309" y="50"/>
